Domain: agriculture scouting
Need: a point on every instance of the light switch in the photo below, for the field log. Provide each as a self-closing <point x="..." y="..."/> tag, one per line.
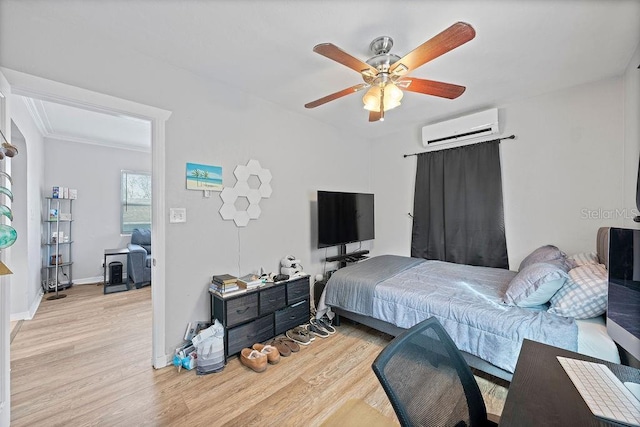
<point x="177" y="215"/>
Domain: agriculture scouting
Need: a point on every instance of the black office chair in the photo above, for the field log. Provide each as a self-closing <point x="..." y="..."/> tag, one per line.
<point x="428" y="381"/>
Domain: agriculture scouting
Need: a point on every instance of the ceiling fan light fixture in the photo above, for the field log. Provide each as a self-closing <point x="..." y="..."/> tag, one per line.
<point x="390" y="105"/>
<point x="385" y="73"/>
<point x="371" y="99"/>
<point x="392" y="97"/>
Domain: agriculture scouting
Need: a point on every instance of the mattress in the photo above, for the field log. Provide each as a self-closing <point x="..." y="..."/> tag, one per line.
<point x="467" y="301"/>
<point x="594" y="341"/>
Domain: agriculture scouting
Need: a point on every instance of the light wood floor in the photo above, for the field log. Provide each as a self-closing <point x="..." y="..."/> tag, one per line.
<point x="86" y="360"/>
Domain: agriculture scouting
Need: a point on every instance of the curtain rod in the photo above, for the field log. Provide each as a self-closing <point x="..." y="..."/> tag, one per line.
<point x="480" y="142"/>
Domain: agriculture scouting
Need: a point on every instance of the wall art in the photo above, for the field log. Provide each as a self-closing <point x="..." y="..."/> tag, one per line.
<point x="204" y="177"/>
<point x="242" y="189"/>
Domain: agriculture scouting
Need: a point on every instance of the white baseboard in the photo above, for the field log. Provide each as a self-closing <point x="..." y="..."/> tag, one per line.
<point x="163" y="361"/>
<point x="88" y="280"/>
<point x="28" y="315"/>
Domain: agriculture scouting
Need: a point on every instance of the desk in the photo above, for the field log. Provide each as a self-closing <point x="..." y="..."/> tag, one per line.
<point x="119" y="287"/>
<point x="541" y="393"/>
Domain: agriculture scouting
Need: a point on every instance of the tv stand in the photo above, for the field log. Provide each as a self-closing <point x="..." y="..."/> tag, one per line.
<point x="344" y="258"/>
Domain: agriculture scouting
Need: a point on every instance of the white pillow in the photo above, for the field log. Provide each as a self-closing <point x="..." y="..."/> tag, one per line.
<point x="584" y="295"/>
<point x="583" y="258"/>
<point x="535" y="284"/>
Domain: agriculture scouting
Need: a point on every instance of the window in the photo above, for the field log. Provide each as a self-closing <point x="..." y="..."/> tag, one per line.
<point x="135" y="201"/>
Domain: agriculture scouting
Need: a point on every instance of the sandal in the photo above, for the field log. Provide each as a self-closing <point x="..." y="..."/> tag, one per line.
<point x="293" y="346"/>
<point x="283" y="349"/>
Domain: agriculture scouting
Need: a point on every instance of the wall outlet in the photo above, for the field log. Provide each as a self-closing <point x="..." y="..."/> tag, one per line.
<point x="177" y="215"/>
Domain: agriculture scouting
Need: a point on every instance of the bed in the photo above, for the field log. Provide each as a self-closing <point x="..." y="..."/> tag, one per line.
<point x="392" y="293"/>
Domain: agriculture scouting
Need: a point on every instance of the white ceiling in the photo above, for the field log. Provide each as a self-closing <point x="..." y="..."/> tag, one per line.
<point x="59" y="121"/>
<point x="264" y="48"/>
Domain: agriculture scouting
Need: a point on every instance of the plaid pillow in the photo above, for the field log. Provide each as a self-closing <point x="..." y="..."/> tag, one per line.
<point x="582" y="259"/>
<point x="584" y="295"/>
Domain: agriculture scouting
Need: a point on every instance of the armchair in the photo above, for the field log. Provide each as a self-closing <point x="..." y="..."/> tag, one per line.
<point x="139" y="263"/>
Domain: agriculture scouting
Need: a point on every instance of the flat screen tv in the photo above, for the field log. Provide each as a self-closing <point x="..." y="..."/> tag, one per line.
<point x="344" y="218"/>
<point x="623" y="306"/>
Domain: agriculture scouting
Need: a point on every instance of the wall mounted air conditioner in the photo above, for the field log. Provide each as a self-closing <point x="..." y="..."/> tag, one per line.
<point x="451" y="132"/>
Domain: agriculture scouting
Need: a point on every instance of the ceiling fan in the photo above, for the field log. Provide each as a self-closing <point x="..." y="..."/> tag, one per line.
<point x="385" y="74"/>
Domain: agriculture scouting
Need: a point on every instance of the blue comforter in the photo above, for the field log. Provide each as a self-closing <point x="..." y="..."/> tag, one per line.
<point x="466" y="300"/>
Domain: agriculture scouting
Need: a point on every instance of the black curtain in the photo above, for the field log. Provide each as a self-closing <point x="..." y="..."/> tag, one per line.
<point x="638" y="188"/>
<point x="637" y="218"/>
<point x="457" y="213"/>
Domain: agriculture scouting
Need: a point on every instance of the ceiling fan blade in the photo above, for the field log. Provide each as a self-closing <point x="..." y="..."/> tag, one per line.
<point x="449" y="39"/>
<point x="332" y="51"/>
<point x="340" y="94"/>
<point x="375" y="116"/>
<point x="431" y="87"/>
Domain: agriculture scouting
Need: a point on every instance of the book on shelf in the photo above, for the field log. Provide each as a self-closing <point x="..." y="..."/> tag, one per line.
<point x="250" y="281"/>
<point x="53" y="214"/>
<point x="224" y="278"/>
<point x="227" y="293"/>
<point x="224" y="287"/>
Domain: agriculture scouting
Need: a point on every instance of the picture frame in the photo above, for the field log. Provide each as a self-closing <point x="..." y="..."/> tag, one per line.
<point x="203" y="177"/>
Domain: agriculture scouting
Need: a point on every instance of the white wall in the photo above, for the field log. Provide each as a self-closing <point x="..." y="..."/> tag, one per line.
<point x="93" y="170"/>
<point x="211" y="124"/>
<point x="5" y="281"/>
<point x="28" y="173"/>
<point x="568" y="157"/>
<point x="631" y="138"/>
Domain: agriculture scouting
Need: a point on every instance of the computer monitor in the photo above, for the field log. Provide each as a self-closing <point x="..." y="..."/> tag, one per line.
<point x="623" y="308"/>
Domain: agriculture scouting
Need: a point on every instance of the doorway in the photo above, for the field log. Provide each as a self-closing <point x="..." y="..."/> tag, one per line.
<point x="49" y="91"/>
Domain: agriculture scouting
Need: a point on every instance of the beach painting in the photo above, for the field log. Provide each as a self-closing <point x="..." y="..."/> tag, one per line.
<point x="204" y="177"/>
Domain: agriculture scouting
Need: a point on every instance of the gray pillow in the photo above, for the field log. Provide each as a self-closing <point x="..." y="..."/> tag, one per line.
<point x="543" y="254"/>
<point x="563" y="264"/>
<point x="534" y="285"/>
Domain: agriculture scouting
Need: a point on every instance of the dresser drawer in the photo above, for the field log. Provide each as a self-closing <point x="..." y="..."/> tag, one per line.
<point x="298" y="290"/>
<point x="241" y="309"/>
<point x="272" y="299"/>
<point x="247" y="335"/>
<point x="292" y="316"/>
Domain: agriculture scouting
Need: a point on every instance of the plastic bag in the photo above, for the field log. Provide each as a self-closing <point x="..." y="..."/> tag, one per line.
<point x="209" y="345"/>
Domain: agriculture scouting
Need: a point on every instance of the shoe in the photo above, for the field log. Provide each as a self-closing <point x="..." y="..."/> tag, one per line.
<point x="316" y="330"/>
<point x="282" y="347"/>
<point x="326" y="325"/>
<point x="253" y="359"/>
<point x="291" y="344"/>
<point x="299" y="335"/>
<point x="273" y="355"/>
